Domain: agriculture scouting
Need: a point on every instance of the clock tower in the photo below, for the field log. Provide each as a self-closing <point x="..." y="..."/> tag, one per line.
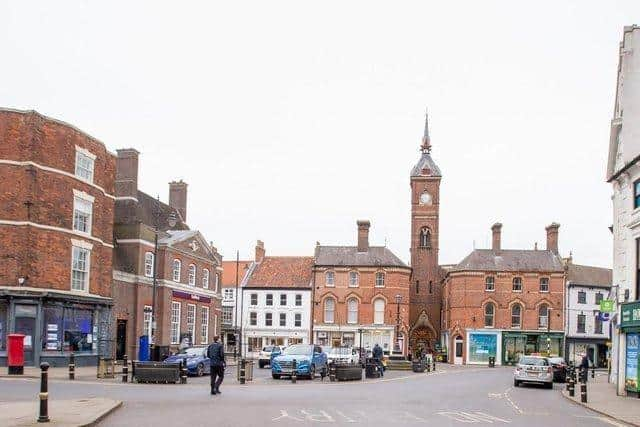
<point x="425" y="295"/>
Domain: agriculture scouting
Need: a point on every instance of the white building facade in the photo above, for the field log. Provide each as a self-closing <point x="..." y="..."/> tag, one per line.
<point x="585" y="332"/>
<point x="623" y="172"/>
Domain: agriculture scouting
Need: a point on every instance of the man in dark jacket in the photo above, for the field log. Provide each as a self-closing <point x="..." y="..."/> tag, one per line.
<point x="377" y="355"/>
<point x="215" y="353"/>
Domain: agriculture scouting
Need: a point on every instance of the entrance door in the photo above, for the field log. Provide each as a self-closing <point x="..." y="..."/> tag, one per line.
<point x="121" y="339"/>
<point x="27" y="327"/>
<point x="457" y="360"/>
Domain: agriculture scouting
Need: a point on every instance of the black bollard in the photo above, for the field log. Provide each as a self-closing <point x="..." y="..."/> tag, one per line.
<point x="43" y="417"/>
<point x="125" y="369"/>
<point x="294" y="371"/>
<point x="583" y="392"/>
<point x="571" y="383"/>
<point x="183" y="371"/>
<point x="332" y="372"/>
<point x="434" y="364"/>
<point x="428" y="366"/>
<point x="593" y="372"/>
<point x="72" y="366"/>
<point x="242" y="371"/>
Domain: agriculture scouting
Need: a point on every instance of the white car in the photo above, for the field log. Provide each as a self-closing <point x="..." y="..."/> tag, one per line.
<point x="264" y="358"/>
<point x="533" y="369"/>
<point x="347" y="355"/>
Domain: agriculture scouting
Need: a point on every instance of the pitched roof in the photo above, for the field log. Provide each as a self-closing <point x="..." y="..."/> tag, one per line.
<point x="425" y="164"/>
<point x="510" y="260"/>
<point x="281" y="272"/>
<point x="588" y="275"/>
<point x="145" y="210"/>
<point x="173" y="236"/>
<point x="229" y="272"/>
<point x="376" y="256"/>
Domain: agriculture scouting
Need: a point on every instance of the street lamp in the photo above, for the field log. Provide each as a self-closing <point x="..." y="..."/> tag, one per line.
<point x="548" y="331"/>
<point x="398" y="302"/>
<point x="360" y="331"/>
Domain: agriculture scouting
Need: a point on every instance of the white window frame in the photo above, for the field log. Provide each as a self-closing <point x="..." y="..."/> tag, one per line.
<point x="543" y="324"/>
<point x="266" y="300"/>
<point x="286" y="300"/>
<point x="252" y="321"/>
<point x="490" y="283"/>
<point x="330" y="279"/>
<point x="297" y="320"/>
<point x="177" y="270"/>
<point x="83" y="154"/>
<point x="253" y="297"/>
<point x="377" y="312"/>
<point x="227" y="312"/>
<point x="513" y="284"/>
<point x="519" y="325"/>
<point x="87" y="268"/>
<point x="191" y="321"/>
<point x="329" y="315"/>
<point x="380" y="279"/>
<point x="149" y="260"/>
<point x="82" y="206"/>
<point x="204" y="324"/>
<point x="228" y="294"/>
<point x="298" y="298"/>
<point x="541" y="280"/>
<point x="280" y="319"/>
<point x="176" y="312"/>
<point x="193" y="271"/>
<point x="205" y="278"/>
<point x="352" y="314"/>
<point x="493" y="315"/>
<point x="147" y="319"/>
<point x="266" y="316"/>
<point x="354" y="283"/>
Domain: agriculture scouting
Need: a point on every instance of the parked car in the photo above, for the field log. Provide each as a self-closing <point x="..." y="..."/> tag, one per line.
<point x="559" y="367"/>
<point x="264" y="358"/>
<point x="533" y="369"/>
<point x="197" y="360"/>
<point x="310" y="359"/>
<point x="343" y="355"/>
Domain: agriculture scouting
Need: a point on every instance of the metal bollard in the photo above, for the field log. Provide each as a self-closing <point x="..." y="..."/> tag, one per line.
<point x="43" y="417"/>
<point x="125" y="369"/>
<point x="332" y="372"/>
<point x="243" y="372"/>
<point x="72" y="366"/>
<point x="571" y="383"/>
<point x="583" y="392"/>
<point x="428" y="366"/>
<point x="593" y="372"/>
<point x="294" y="371"/>
<point x="183" y="371"/>
<point x="434" y="364"/>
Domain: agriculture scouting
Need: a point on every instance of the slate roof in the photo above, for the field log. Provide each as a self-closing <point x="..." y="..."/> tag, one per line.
<point x="510" y="260"/>
<point x="426" y="162"/>
<point x="589" y="276"/>
<point x="376" y="256"/>
<point x="144" y="211"/>
<point x="229" y="272"/>
<point x="281" y="272"/>
<point x="173" y="236"/>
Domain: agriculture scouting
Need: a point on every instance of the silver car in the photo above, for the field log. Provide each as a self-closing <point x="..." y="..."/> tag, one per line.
<point x="533" y="369"/>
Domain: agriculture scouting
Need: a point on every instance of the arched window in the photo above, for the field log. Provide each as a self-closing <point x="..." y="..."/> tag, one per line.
<point x="516" y="316"/>
<point x="378" y="311"/>
<point x="352" y="310"/>
<point x="353" y="279"/>
<point x="205" y="278"/>
<point x="543" y="316"/>
<point x="425" y="238"/>
<point x="329" y="310"/>
<point x="379" y="279"/>
<point x="148" y="264"/>
<point x="177" y="266"/>
<point x="192" y="275"/>
<point x="489" y="312"/>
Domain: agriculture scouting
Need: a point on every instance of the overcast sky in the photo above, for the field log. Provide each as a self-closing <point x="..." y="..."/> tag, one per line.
<point x="291" y="120"/>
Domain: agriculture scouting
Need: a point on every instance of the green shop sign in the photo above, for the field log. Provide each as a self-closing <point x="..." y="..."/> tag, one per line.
<point x="606" y="306"/>
<point x="630" y="315"/>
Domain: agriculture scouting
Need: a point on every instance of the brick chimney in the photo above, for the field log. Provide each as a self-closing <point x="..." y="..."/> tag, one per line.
<point x="178" y="197"/>
<point x="552" y="237"/>
<point x="126" y="182"/>
<point x="496" y="230"/>
<point x="259" y="251"/>
<point x="363" y="235"/>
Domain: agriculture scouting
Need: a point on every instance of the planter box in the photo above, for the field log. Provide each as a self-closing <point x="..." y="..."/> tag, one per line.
<point x="156" y="372"/>
<point x="348" y="372"/>
<point x="418" y="367"/>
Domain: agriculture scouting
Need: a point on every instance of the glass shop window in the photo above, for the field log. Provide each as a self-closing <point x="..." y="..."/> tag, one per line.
<point x="68" y="329"/>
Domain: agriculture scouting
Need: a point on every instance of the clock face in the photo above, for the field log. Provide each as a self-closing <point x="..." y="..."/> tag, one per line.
<point x="425" y="198"/>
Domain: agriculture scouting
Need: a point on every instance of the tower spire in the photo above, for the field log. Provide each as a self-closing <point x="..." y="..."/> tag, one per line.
<point x="426" y="141"/>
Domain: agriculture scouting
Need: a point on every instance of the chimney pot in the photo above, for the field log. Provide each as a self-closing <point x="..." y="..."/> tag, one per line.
<point x="178" y="198"/>
<point x="496" y="230"/>
<point x="260" y="252"/>
<point x="363" y="235"/>
<point x="552" y="237"/>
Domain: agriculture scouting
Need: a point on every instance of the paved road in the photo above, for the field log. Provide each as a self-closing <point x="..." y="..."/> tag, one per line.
<point x="454" y="396"/>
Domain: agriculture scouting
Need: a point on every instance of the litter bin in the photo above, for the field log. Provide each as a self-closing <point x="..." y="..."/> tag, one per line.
<point x="492" y="362"/>
<point x="15" y="354"/>
<point x="143" y="351"/>
<point x="160" y="352"/>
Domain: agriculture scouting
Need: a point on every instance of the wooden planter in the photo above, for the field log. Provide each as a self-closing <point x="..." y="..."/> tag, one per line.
<point x="348" y="372"/>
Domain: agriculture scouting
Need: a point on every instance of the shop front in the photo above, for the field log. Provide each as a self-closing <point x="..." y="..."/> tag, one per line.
<point x="515" y="344"/>
<point x="366" y="336"/>
<point x="481" y="345"/>
<point x="56" y="324"/>
<point x="596" y="350"/>
<point x="630" y="327"/>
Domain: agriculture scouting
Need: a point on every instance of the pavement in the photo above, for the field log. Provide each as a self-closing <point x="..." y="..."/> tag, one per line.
<point x="452" y="396"/>
<point x="602" y="398"/>
<point x="62" y="413"/>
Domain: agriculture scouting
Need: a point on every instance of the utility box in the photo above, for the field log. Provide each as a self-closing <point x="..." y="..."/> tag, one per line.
<point x="15" y="354"/>
<point x="143" y="352"/>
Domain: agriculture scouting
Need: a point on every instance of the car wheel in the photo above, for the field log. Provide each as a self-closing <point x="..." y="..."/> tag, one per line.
<point x="312" y="372"/>
<point x="516" y="383"/>
<point x="275" y="376"/>
<point x="261" y="365"/>
<point x="200" y="370"/>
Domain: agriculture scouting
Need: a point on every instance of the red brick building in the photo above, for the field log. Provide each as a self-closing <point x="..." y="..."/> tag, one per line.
<point x="56" y="239"/>
<point x="427" y="275"/>
<point x="361" y="296"/>
<point x="505" y="302"/>
<point x="187" y="274"/>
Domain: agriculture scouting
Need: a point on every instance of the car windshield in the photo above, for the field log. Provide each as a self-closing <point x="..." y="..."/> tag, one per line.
<point x="268" y="348"/>
<point x="339" y="351"/>
<point x="535" y="361"/>
<point x="298" y="350"/>
<point x="556" y="360"/>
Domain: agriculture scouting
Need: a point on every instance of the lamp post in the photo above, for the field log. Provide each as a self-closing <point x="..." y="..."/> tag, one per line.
<point x="360" y="331"/>
<point x="548" y="331"/>
<point x="156" y="229"/>
<point x="398" y="302"/>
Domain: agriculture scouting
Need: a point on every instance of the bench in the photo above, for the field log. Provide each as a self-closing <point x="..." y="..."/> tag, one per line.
<point x="156" y="372"/>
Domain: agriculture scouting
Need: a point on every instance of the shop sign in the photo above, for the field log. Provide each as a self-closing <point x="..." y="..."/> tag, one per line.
<point x="630" y="315"/>
<point x="191" y="297"/>
<point x="606" y="306"/>
<point x="632" y="382"/>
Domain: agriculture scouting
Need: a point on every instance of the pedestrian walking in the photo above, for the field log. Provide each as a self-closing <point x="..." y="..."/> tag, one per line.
<point x="215" y="353"/>
<point x="377" y="356"/>
<point x="584" y="367"/>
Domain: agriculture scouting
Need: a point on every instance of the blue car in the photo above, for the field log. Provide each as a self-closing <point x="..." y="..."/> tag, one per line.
<point x="310" y="359"/>
<point x="197" y="360"/>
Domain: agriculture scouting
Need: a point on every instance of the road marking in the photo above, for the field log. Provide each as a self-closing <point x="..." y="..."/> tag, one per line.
<point x="319" y="417"/>
<point x="511" y="402"/>
<point x="475" y="417"/>
<point x="347" y="419"/>
<point x="284" y="414"/>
